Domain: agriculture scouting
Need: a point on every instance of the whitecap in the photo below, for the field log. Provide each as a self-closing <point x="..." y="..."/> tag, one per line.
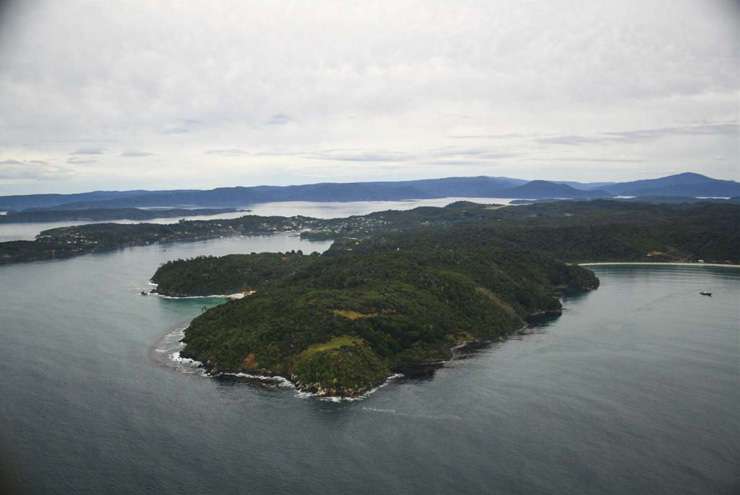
<point x="339" y="398"/>
<point x="280" y="381"/>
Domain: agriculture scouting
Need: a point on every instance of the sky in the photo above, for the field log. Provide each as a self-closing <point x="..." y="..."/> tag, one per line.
<point x="181" y="94"/>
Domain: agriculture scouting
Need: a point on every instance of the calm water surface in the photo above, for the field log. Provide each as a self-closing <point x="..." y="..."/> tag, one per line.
<point x="633" y="390"/>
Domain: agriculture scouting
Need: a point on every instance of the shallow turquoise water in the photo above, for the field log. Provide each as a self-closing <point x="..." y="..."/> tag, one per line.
<point x="633" y="390"/>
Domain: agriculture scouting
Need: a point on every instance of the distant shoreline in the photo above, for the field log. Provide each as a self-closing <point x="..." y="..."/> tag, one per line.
<point x="657" y="263"/>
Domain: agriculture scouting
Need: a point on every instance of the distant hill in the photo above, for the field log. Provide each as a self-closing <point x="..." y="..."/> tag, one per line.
<point x="542" y="189"/>
<point x="22" y="202"/>
<point x="103" y="214"/>
<point x="688" y="185"/>
<point x="241" y="196"/>
<point x="585" y="186"/>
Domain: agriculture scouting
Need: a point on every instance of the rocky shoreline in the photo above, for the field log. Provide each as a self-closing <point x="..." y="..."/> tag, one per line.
<point x="417" y="370"/>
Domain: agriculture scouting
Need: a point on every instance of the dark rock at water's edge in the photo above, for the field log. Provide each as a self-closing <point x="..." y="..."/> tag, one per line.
<point x="541" y="317"/>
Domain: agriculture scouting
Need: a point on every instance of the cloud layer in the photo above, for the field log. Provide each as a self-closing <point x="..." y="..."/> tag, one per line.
<point x="246" y="92"/>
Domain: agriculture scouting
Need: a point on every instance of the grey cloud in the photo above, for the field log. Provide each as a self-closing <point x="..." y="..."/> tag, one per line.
<point x="135" y="153"/>
<point x="227" y="152"/>
<point x="724" y="128"/>
<point x="21" y="162"/>
<point x="75" y="160"/>
<point x="88" y="151"/>
<point x="638" y="135"/>
<point x="182" y="126"/>
<point x="452" y="154"/>
<point x="593" y="159"/>
<point x="31" y="170"/>
<point x="360" y="156"/>
<point x="498" y="156"/>
<point x="279" y="119"/>
<point x="234" y="152"/>
<point x="452" y="162"/>
<point x="175" y="130"/>
<point x="473" y="153"/>
<point x="529" y="76"/>
<point x="572" y="140"/>
<point x="507" y="135"/>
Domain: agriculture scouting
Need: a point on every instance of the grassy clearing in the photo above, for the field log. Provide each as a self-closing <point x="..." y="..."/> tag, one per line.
<point x="496" y="300"/>
<point x="335" y="343"/>
<point x="353" y="315"/>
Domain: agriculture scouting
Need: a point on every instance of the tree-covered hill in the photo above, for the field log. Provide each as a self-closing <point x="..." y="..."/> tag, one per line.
<point x="397" y="289"/>
<point x="570" y="230"/>
<point x="342" y="322"/>
<point x="209" y="275"/>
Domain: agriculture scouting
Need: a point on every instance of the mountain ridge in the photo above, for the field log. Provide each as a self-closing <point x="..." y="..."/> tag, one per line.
<point x="687" y="184"/>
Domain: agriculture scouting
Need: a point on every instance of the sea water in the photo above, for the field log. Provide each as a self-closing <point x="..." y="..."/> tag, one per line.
<point x="633" y="390"/>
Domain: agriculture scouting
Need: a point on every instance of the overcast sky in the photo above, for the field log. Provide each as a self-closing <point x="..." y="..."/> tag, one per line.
<point x="145" y="94"/>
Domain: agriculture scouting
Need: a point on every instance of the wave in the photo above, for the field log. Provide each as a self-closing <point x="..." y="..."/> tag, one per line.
<point x="338" y="398"/>
<point x="166" y="352"/>
<point x="177" y="358"/>
<point x="281" y="381"/>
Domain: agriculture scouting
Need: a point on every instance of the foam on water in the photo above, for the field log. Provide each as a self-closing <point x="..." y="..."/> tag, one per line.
<point x="280" y="381"/>
<point x="335" y="398"/>
<point x="167" y="353"/>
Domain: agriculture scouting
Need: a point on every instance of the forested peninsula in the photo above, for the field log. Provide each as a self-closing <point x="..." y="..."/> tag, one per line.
<point x="398" y="290"/>
<point x="102" y="214"/>
<point x="597" y="230"/>
<point x="341" y="323"/>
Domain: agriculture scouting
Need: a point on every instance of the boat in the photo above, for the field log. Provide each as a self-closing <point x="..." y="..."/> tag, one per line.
<point x="705" y="293"/>
<point x="144" y="293"/>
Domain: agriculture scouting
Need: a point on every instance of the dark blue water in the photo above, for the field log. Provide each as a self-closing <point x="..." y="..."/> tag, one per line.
<point x="635" y="389"/>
